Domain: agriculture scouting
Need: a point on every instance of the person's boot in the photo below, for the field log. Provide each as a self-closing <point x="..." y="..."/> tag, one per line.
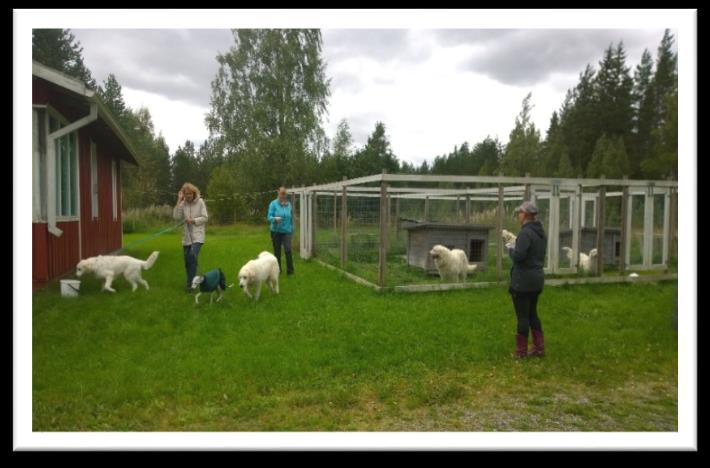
<point x="538" y="349"/>
<point x="521" y="346"/>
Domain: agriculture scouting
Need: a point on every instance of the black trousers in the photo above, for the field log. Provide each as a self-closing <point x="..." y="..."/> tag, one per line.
<point x="279" y="239"/>
<point x="525" y="304"/>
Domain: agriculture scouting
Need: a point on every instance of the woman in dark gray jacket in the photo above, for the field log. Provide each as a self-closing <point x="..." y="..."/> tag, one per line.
<point x="527" y="279"/>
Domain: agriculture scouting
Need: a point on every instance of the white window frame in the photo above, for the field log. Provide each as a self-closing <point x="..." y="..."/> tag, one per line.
<point x="94" y="180"/>
<point x="114" y="202"/>
<point x="51" y="112"/>
<point x="36" y="162"/>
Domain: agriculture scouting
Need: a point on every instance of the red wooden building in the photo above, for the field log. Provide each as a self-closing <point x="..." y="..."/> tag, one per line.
<point x="76" y="178"/>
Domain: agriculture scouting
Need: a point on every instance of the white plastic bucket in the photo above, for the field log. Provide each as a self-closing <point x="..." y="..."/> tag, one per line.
<point x="70" y="287"/>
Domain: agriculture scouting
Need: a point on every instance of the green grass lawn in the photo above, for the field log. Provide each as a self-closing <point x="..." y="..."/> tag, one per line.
<point x="328" y="354"/>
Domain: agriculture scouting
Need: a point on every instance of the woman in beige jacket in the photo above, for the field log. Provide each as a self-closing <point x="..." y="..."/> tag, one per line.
<point x="191" y="208"/>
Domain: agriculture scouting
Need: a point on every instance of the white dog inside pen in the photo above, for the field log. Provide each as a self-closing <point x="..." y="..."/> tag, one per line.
<point x="107" y="267"/>
<point x="255" y="272"/>
<point x="586" y="261"/>
<point x="452" y="264"/>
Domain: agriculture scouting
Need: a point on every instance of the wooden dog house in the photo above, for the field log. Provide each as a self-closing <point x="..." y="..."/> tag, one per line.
<point x="471" y="238"/>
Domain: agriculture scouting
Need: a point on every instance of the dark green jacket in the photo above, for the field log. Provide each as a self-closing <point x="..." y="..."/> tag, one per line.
<point x="528" y="257"/>
<point x="213" y="278"/>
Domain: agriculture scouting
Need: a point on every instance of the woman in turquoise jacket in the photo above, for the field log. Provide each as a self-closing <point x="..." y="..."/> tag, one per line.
<point x="280" y="217"/>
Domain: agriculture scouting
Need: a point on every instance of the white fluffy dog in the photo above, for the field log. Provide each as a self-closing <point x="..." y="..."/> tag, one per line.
<point x="586" y="261"/>
<point x="107" y="267"/>
<point x="508" y="237"/>
<point x="451" y="264"/>
<point x="255" y="272"/>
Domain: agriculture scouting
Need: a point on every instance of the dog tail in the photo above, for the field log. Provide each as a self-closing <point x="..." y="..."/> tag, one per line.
<point x="472" y="268"/>
<point x="151" y="260"/>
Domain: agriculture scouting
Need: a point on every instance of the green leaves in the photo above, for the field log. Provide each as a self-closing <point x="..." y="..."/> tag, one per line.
<point x="267" y="102"/>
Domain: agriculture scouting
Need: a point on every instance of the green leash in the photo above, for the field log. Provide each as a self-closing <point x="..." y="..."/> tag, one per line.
<point x="150" y="237"/>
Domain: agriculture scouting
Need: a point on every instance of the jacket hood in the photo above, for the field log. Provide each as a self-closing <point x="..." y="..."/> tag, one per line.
<point x="536" y="227"/>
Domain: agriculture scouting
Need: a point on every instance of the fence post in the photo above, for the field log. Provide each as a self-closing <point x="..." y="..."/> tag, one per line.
<point x="468" y="208"/>
<point x="624" y="226"/>
<point x="672" y="222"/>
<point x="383" y="232"/>
<point x="396" y="215"/>
<point x="601" y="222"/>
<point x="577" y="228"/>
<point x="555" y="228"/>
<point x="314" y="221"/>
<point x="344" y="226"/>
<point x="499" y="239"/>
<point x="666" y="226"/>
<point x="426" y="208"/>
<point x="335" y="212"/>
<point x="648" y="227"/>
<point x="527" y="187"/>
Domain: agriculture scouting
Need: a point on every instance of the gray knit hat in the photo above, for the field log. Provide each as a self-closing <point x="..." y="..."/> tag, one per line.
<point x="527" y="207"/>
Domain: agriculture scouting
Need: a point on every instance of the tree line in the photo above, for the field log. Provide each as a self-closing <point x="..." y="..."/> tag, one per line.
<point x="271" y="92"/>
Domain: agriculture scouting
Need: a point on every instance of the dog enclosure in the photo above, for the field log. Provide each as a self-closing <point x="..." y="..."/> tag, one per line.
<point x="378" y="229"/>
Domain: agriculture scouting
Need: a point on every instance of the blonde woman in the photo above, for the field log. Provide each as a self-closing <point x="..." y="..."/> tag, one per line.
<point x="192" y="210"/>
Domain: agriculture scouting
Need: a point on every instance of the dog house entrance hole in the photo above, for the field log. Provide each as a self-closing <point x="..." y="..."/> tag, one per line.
<point x="617" y="248"/>
<point x="475" y="253"/>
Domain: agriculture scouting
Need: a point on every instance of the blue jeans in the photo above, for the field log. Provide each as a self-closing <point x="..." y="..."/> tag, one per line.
<point x="279" y="239"/>
<point x="190" y="252"/>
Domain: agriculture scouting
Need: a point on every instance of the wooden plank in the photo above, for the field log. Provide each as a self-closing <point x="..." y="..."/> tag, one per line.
<point x="549" y="282"/>
<point x="666" y="228"/>
<point x="577" y="228"/>
<point x="335" y="212"/>
<point x="563" y="182"/>
<point x="314" y="224"/>
<point x="344" y="227"/>
<point x="527" y="193"/>
<point x="348" y="275"/>
<point x="383" y="234"/>
<point x="346" y="182"/>
<point x="648" y="227"/>
<point x="625" y="212"/>
<point x="673" y="215"/>
<point x="610" y="279"/>
<point x="426" y="209"/>
<point x="467" y="215"/>
<point x="601" y="218"/>
<point x="445" y="286"/>
<point x="554" y="234"/>
<point x="396" y="215"/>
<point x="499" y="229"/>
<point x="627" y="240"/>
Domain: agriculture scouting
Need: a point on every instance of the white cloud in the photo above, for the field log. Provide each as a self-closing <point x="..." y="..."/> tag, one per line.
<point x="176" y="120"/>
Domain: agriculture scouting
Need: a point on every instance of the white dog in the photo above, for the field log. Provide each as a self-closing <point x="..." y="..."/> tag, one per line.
<point x="107" y="267"/>
<point x="586" y="261"/>
<point x="255" y="272"/>
<point x="451" y="264"/>
<point x="508" y="237"/>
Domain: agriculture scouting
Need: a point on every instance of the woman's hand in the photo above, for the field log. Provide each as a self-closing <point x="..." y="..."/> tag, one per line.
<point x="180" y="198"/>
<point x="190" y="221"/>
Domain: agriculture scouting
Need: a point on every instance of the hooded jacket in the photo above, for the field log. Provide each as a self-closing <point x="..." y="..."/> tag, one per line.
<point x="528" y="257"/>
<point x="192" y="233"/>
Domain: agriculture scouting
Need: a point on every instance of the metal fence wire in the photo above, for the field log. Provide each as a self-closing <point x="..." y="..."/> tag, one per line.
<point x="382" y="232"/>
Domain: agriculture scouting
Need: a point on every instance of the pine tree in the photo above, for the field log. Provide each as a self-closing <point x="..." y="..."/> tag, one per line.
<point x="58" y="49"/>
<point x="522" y="153"/>
<point x="644" y="119"/>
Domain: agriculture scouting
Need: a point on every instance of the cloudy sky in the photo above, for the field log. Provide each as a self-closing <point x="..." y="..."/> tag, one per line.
<point x="433" y="89"/>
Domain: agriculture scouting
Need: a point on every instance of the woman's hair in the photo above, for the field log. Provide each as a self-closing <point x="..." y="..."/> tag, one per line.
<point x="187" y="186"/>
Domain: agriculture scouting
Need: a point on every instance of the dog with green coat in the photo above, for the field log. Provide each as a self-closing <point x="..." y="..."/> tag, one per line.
<point x="211" y="282"/>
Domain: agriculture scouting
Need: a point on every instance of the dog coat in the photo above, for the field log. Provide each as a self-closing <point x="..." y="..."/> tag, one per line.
<point x="213" y="279"/>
